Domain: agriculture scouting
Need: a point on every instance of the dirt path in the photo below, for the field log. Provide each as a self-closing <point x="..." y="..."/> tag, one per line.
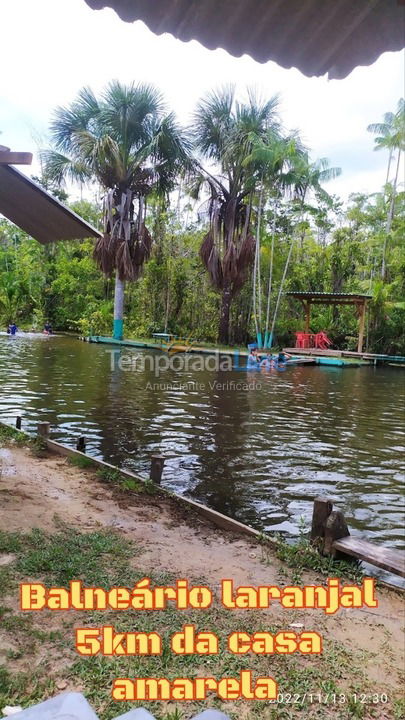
<point x="35" y="492"/>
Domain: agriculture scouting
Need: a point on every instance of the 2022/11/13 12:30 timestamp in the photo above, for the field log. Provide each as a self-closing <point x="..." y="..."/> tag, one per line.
<point x="332" y="698"/>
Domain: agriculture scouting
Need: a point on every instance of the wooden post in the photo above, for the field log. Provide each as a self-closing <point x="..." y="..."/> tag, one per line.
<point x="81" y="444"/>
<point x="335" y="529"/>
<point x="361" y="309"/>
<point x="307" y="309"/>
<point x="156" y="468"/>
<point x="43" y="429"/>
<point x="18" y="423"/>
<point x="322" y="509"/>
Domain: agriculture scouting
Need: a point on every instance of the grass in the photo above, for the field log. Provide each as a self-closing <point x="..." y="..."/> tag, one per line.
<point x="42" y="651"/>
<point x="81" y="461"/>
<point x="117" y="478"/>
<point x="9" y="435"/>
<point x="302" y="556"/>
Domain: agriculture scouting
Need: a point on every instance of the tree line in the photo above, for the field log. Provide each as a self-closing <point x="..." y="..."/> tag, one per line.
<point x="206" y="226"/>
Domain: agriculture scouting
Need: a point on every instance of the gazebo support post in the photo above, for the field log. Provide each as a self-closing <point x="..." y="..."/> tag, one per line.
<point x="361" y="309"/>
<point x="307" y="309"/>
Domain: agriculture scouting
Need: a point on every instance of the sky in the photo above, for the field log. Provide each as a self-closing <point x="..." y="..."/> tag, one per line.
<point x="53" y="48"/>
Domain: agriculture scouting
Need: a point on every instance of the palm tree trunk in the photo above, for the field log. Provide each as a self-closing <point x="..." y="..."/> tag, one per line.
<point x="223" y="332"/>
<point x="389" y="167"/>
<point x="273" y="233"/>
<point x="259" y="281"/>
<point x="390" y="217"/>
<point x="287" y="262"/>
<point x="118" y="328"/>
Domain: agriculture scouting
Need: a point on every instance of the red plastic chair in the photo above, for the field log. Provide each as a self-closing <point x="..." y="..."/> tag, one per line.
<point x="302" y="340"/>
<point x="322" y="341"/>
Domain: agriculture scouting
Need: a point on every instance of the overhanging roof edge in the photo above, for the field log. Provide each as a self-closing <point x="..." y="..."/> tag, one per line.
<point x="28" y="220"/>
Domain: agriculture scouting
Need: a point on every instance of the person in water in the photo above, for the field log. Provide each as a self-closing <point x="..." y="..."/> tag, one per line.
<point x="267" y="362"/>
<point x="283" y="357"/>
<point x="48" y="328"/>
<point x="12" y="329"/>
<point x="253" y="360"/>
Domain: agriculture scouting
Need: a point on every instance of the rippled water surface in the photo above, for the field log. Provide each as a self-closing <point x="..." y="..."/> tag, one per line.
<point x="258" y="453"/>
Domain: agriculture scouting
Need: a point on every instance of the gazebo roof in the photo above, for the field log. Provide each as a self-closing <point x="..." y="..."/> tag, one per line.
<point x="329" y="298"/>
<point x="315" y="36"/>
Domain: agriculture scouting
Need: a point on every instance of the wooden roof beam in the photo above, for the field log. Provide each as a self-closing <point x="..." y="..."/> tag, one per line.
<point x="14" y="158"/>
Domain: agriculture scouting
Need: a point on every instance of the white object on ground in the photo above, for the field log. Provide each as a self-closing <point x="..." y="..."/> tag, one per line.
<point x="74" y="706"/>
<point x="9" y="710"/>
<point x="66" y="706"/>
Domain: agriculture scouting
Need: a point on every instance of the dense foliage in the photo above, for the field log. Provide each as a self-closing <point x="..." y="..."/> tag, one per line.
<point x="62" y="283"/>
<point x="358" y="248"/>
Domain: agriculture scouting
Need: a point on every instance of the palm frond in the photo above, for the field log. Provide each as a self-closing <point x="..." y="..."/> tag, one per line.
<point x="60" y="169"/>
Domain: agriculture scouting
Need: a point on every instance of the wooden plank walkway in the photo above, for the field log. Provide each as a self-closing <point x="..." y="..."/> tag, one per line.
<point x="370" y="357"/>
<point x="391" y="560"/>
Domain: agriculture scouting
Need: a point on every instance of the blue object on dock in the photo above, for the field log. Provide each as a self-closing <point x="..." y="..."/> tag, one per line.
<point x="337" y="362"/>
<point x="252" y="346"/>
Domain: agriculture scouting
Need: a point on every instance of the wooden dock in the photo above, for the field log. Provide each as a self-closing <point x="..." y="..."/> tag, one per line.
<point x="364" y="358"/>
<point x="382" y="557"/>
<point x="177" y="346"/>
<point x="330" y="533"/>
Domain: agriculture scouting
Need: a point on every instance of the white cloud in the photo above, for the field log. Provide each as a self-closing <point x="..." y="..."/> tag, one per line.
<point x="65" y="45"/>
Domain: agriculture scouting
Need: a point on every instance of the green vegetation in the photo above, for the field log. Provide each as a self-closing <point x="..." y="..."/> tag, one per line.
<point x="261" y="202"/>
<point x="301" y="556"/>
<point x="115" y="477"/>
<point x="81" y="461"/>
<point x="105" y="558"/>
<point x="10" y="435"/>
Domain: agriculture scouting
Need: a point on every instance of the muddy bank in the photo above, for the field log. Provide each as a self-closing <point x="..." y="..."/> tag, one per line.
<point x="41" y="492"/>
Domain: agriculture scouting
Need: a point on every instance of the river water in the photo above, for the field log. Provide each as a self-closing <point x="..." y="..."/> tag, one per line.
<point x="256" y="446"/>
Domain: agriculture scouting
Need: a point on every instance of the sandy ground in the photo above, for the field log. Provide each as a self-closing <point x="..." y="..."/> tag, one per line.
<point x="33" y="491"/>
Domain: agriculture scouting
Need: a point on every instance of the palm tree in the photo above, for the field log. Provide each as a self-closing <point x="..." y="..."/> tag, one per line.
<point x="391" y="137"/>
<point x="224" y="133"/>
<point x="309" y="177"/>
<point x="390" y="133"/>
<point x="126" y="142"/>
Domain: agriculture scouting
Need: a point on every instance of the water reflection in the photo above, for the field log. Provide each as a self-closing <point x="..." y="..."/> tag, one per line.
<point x="258" y="450"/>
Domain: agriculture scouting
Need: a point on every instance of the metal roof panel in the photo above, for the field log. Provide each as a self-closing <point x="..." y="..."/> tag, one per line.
<point x="37" y="212"/>
<point x="315" y="36"/>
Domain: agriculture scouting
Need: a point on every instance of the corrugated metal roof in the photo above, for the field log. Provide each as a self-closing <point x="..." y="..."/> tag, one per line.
<point x="326" y="296"/>
<point x="315" y="36"/>
<point x="37" y="212"/>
